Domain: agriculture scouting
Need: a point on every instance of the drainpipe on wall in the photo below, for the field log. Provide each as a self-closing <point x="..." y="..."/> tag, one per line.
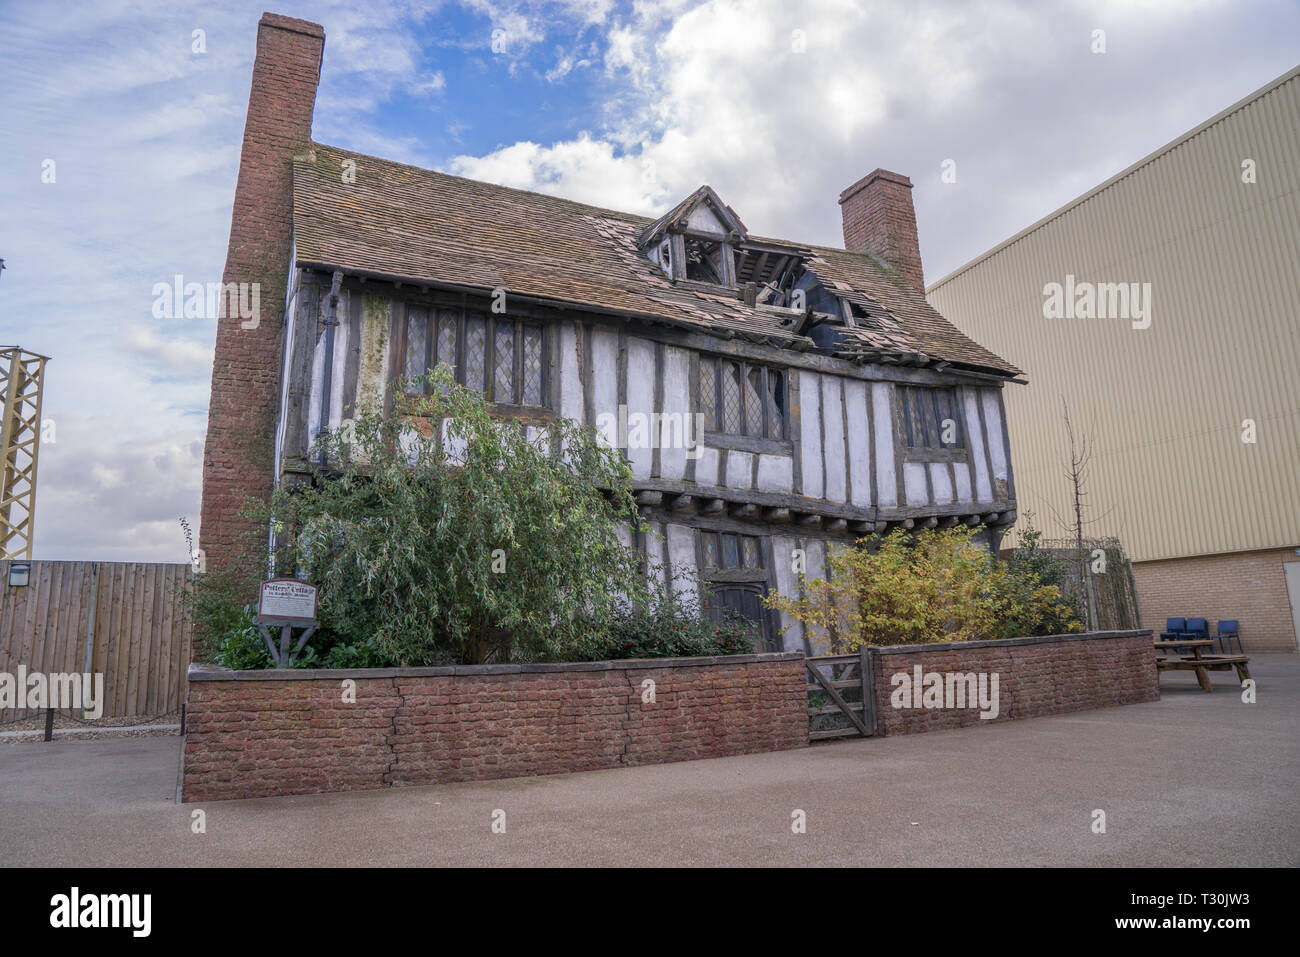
<point x="331" y="320"/>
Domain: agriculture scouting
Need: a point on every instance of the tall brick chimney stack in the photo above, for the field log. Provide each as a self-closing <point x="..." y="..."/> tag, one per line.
<point x="879" y="218"/>
<point x="238" y="457"/>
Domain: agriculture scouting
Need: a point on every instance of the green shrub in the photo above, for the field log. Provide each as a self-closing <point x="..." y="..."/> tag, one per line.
<point x="668" y="626"/>
<point x="939" y="585"/>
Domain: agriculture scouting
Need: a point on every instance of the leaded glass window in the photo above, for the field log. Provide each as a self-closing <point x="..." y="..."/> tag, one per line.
<point x="728" y="551"/>
<point x="731" y="409"/>
<point x="737" y="398"/>
<point x="532" y="365"/>
<point x="416" y="360"/>
<point x="503" y="362"/>
<point x="475" y="352"/>
<point x="501" y="356"/>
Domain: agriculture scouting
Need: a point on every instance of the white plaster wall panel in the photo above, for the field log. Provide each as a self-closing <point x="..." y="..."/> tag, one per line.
<point x="740" y="469"/>
<point x="787" y="584"/>
<point x="983" y="487"/>
<point x="941" y="482"/>
<point x="640" y="397"/>
<point x="701" y="219"/>
<point x="681" y="554"/>
<point x="604" y="383"/>
<point x="775" y="473"/>
<point x="815" y="556"/>
<point x="317" y="389"/>
<point x="962" y="471"/>
<point x="538" y="438"/>
<point x="993" y="423"/>
<point x="855" y="403"/>
<point x="833" y="453"/>
<point x="654" y="550"/>
<point x="677" y="410"/>
<point x="914" y="483"/>
<point x="453" y="443"/>
<point x="886" y="483"/>
<point x="810" y="434"/>
<point x="570" y="372"/>
<point x="342" y="334"/>
<point x="706" y="467"/>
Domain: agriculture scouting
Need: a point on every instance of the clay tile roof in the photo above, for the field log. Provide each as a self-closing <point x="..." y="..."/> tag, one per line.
<point x="417" y="225"/>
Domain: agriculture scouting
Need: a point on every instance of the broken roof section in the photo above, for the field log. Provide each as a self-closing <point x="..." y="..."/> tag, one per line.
<point x="399" y="222"/>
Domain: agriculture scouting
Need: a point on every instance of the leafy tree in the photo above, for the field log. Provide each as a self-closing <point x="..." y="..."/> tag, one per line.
<point x="934" y="586"/>
<point x="439" y="533"/>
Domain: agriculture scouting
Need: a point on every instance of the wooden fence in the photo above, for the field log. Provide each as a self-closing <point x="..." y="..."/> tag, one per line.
<point x="125" y="620"/>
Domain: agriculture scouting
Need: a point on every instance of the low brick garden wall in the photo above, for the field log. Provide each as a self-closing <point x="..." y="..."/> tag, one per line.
<point x="265" y="733"/>
<point x="1040" y="676"/>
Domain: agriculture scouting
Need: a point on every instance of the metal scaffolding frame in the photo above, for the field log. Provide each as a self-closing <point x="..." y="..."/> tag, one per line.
<point x="22" y="377"/>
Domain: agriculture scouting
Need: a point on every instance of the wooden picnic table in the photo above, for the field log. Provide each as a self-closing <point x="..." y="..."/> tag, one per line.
<point x="1201" y="663"/>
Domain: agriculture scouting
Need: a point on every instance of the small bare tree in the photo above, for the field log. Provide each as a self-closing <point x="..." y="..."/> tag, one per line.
<point x="1076" y="470"/>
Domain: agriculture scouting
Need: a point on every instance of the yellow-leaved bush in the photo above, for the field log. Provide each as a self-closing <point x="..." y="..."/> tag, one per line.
<point x="908" y="588"/>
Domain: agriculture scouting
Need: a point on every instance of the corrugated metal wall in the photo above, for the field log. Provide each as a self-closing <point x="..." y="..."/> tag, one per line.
<point x="1171" y="475"/>
<point x="141" y="630"/>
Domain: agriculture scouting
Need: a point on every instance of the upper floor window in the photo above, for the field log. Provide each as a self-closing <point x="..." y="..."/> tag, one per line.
<point x="737" y="398"/>
<point x="726" y="551"/>
<point x="502" y="358"/>
<point x="931" y="418"/>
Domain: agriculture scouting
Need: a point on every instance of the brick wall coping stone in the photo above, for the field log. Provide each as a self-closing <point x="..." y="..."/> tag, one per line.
<point x="1008" y="642"/>
<point x="205" y="672"/>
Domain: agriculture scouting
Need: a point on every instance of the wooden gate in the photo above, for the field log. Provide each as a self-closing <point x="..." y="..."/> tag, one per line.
<point x="841" y="695"/>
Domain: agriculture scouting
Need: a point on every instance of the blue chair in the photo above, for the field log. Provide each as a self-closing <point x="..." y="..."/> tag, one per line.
<point x="1197" y="628"/>
<point x="1175" y="628"/>
<point x="1226" y="632"/>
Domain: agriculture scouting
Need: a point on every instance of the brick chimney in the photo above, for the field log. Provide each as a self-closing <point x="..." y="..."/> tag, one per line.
<point x="238" y="457"/>
<point x="879" y="218"/>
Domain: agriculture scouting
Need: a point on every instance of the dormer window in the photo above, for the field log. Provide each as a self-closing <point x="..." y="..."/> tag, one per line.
<point x="696" y="240"/>
<point x="708" y="261"/>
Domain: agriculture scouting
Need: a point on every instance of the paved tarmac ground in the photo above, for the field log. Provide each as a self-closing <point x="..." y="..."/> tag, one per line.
<point x="1194" y="779"/>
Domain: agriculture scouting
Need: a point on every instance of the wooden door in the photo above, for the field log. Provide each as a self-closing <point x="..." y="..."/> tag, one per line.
<point x="744" y="600"/>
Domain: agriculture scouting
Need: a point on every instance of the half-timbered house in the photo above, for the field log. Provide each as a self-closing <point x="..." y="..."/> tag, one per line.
<point x="786" y="396"/>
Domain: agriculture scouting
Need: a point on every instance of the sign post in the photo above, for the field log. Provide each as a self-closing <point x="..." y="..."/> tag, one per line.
<point x="287" y="604"/>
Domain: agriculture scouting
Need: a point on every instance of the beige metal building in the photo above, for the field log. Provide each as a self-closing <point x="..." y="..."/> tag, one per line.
<point x="1164" y="307"/>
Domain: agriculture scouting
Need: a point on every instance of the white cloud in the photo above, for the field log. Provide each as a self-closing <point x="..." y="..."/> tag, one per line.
<point x="175" y="354"/>
<point x="717" y="92"/>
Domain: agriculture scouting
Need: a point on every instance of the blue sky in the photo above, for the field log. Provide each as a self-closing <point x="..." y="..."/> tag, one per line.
<point x="778" y="106"/>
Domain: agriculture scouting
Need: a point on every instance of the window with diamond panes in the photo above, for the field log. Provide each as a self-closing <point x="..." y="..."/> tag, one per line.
<point x="417" y="346"/>
<point x="709" y="394"/>
<point x="501" y="357"/>
<point x="737" y="398"/>
<point x="532" y="365"/>
<point x="475" y="352"/>
<point x="503" y="363"/>
<point x="731" y="399"/>
<point x="448" y="333"/>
